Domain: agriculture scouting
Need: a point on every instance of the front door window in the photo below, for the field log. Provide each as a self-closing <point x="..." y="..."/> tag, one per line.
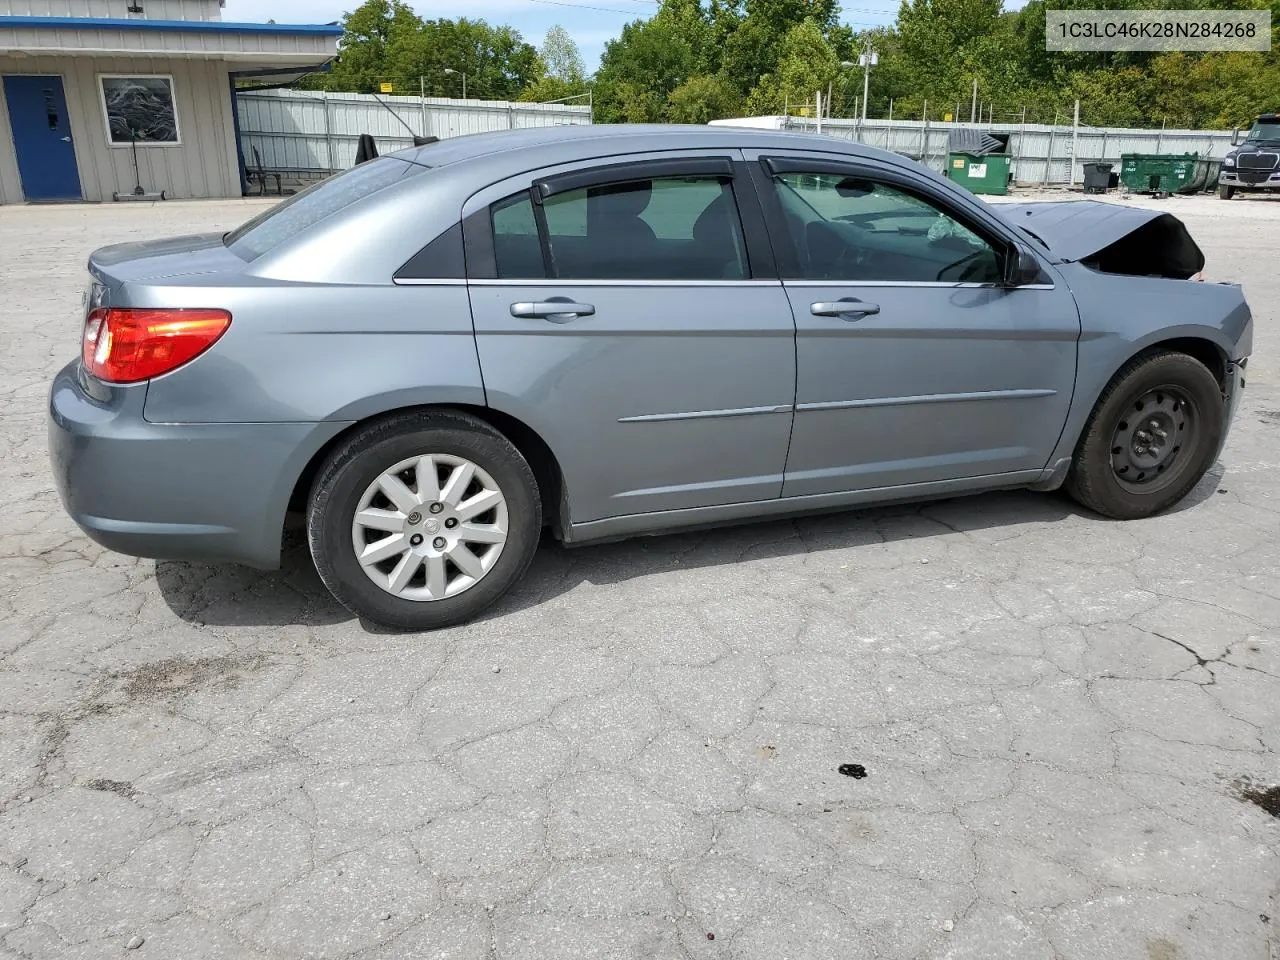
<point x="849" y="228"/>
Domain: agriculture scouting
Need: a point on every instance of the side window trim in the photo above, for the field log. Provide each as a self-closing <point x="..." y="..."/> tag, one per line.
<point x="763" y="259"/>
<point x="617" y="173"/>
<point x="544" y="232"/>
<point x="786" y="262"/>
<point x="441" y="259"/>
<point x="481" y="259"/>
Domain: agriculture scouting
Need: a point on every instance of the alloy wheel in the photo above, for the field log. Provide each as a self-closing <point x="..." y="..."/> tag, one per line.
<point x="430" y="527"/>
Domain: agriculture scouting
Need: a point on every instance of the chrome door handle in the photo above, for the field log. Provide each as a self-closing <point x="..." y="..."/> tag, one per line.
<point x="555" y="310"/>
<point x="66" y="139"/>
<point x="847" y="308"/>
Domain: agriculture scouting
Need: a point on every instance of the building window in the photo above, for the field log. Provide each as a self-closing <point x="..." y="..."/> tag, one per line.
<point x="139" y="109"/>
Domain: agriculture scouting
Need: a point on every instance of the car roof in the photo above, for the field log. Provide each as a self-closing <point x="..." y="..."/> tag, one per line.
<point x="394" y="220"/>
<point x="653" y="137"/>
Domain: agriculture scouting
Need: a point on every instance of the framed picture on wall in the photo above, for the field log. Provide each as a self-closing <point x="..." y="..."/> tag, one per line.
<point x="139" y="108"/>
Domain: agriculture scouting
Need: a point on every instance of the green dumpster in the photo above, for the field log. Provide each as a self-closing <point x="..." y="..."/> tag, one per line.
<point x="1207" y="174"/>
<point x="980" y="174"/>
<point x="1160" y="173"/>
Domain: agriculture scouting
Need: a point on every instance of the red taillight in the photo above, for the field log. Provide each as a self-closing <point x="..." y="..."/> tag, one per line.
<point x="128" y="345"/>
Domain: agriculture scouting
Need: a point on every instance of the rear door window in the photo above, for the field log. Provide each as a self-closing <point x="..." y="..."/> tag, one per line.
<point x="283" y="222"/>
<point x="661" y="228"/>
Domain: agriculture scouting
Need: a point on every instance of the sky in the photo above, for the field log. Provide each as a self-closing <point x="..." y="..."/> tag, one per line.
<point x="589" y="22"/>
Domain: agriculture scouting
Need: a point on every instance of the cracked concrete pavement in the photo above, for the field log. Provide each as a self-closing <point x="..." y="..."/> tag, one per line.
<point x="635" y="756"/>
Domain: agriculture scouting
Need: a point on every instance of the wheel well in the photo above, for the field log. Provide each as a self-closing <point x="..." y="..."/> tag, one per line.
<point x="1206" y="351"/>
<point x="546" y="469"/>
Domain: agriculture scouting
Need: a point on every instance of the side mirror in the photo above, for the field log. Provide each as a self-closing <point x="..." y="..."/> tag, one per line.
<point x="854" y="188"/>
<point x="1020" y="267"/>
<point x="1235" y="136"/>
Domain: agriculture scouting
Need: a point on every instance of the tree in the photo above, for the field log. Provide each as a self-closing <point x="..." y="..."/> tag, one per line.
<point x="385" y="41"/>
<point x="688" y="20"/>
<point x="946" y="42"/>
<point x="752" y="41"/>
<point x="497" y="61"/>
<point x="1141" y="89"/>
<point x="1216" y="89"/>
<point x="782" y="15"/>
<point x="564" y="76"/>
<point x="698" y="60"/>
<point x="748" y="56"/>
<point x="561" y="57"/>
<point x="634" y="104"/>
<point x="369" y="32"/>
<point x="701" y="100"/>
<point x="806" y="64"/>
<point x="639" y="70"/>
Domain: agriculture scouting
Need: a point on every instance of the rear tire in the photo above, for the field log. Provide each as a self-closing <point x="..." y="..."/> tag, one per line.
<point x="1225" y="192"/>
<point x="1153" y="434"/>
<point x="413" y="487"/>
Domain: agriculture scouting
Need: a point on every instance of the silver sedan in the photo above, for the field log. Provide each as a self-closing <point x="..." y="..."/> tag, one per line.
<point x="611" y="331"/>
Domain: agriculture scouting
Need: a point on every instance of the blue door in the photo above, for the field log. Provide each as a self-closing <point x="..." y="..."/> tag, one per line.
<point x="42" y="137"/>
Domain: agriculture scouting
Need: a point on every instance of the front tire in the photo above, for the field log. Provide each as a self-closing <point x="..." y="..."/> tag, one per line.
<point x="1153" y="434"/>
<point x="423" y="520"/>
<point x="1225" y="192"/>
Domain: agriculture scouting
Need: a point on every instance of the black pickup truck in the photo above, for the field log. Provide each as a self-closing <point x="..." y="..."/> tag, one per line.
<point x="1254" y="165"/>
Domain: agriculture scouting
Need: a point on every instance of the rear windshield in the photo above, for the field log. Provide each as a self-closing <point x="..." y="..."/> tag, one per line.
<point x="286" y="220"/>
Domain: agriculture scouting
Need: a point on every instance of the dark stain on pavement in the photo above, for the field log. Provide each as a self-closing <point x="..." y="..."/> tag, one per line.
<point x="122" y="788"/>
<point x="1267" y="798"/>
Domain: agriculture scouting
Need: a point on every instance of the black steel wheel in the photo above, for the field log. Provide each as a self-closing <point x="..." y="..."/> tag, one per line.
<point x="1149" y="438"/>
<point x="1152" y="435"/>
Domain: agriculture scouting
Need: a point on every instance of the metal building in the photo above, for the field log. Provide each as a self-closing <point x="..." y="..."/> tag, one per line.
<point x="88" y="85"/>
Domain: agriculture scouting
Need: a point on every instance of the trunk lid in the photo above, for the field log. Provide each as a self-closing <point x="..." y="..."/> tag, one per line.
<point x="167" y="259"/>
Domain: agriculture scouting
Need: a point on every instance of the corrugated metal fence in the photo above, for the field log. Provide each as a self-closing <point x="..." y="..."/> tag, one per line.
<point x="1041" y="153"/>
<point x="311" y="132"/>
<point x="315" y="132"/>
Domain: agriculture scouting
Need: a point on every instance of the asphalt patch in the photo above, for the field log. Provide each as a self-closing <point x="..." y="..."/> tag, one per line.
<point x="179" y="674"/>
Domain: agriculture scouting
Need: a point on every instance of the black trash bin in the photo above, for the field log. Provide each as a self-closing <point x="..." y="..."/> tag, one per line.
<point x="1097" y="177"/>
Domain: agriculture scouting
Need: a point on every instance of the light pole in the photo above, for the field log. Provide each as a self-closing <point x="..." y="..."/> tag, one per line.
<point x="452" y="72"/>
<point x="844" y="88"/>
<point x="866" y="60"/>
